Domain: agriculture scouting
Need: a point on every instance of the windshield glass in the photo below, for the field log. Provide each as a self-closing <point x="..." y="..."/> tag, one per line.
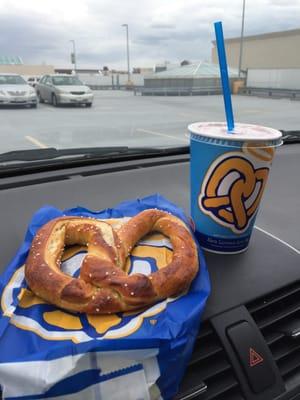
<point x="66" y="80"/>
<point x="11" y="80"/>
<point x="103" y="75"/>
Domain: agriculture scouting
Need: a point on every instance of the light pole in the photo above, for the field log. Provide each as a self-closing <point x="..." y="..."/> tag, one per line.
<point x="127" y="42"/>
<point x="73" y="59"/>
<point x="242" y="39"/>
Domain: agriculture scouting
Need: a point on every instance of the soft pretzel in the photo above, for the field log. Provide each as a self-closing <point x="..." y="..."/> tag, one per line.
<point x="103" y="287"/>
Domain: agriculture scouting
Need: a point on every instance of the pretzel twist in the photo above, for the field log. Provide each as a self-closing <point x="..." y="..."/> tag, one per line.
<point x="103" y="286"/>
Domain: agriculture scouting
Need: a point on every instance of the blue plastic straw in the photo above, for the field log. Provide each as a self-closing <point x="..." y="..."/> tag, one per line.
<point x="224" y="75"/>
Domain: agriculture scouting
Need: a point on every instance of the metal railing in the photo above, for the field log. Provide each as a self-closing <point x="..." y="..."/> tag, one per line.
<point x="180" y="91"/>
<point x="112" y="87"/>
<point x="293" y="94"/>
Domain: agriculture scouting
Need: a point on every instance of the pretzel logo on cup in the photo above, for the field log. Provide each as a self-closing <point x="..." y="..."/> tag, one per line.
<point x="232" y="189"/>
<point x="258" y="151"/>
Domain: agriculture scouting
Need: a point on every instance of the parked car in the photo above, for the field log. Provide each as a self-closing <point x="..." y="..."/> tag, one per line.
<point x="33" y="80"/>
<point x="63" y="89"/>
<point x="14" y="90"/>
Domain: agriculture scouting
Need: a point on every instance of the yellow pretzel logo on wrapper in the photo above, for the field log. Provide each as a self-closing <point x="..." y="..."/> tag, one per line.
<point x="55" y="324"/>
<point x="232" y="190"/>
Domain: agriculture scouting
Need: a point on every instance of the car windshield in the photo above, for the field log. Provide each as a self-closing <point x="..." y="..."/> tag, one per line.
<point x="106" y="79"/>
<point x="66" y="81"/>
<point x="11" y="80"/>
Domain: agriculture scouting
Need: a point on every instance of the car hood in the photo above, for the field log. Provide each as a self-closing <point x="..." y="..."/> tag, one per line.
<point x="16" y="88"/>
<point x="73" y="88"/>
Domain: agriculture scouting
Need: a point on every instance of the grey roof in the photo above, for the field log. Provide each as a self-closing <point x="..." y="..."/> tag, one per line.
<point x="10" y="60"/>
<point x="196" y="70"/>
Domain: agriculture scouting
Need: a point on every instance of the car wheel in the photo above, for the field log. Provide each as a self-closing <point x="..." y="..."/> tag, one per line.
<point x="88" y="105"/>
<point x="54" y="100"/>
<point x="33" y="105"/>
<point x="41" y="100"/>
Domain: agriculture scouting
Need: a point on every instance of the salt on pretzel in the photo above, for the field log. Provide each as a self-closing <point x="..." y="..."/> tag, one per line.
<point x="103" y="286"/>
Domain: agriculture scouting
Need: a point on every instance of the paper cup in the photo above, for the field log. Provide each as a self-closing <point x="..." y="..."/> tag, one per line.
<point x="229" y="172"/>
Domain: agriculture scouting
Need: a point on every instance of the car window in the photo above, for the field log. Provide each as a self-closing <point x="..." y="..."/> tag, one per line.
<point x="11" y="80"/>
<point x="66" y="80"/>
<point x="138" y="78"/>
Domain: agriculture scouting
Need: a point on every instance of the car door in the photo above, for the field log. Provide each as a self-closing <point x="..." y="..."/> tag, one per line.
<point x="48" y="86"/>
<point x="41" y="86"/>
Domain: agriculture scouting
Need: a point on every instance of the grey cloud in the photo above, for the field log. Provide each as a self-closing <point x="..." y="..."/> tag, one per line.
<point x="201" y="33"/>
<point x="152" y="40"/>
<point x="30" y="38"/>
<point x="162" y="26"/>
<point x="283" y="3"/>
<point x="99" y="58"/>
<point x="36" y="42"/>
<point x="186" y="33"/>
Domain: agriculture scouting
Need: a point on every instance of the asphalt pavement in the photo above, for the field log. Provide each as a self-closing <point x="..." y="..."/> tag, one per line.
<point x="118" y="118"/>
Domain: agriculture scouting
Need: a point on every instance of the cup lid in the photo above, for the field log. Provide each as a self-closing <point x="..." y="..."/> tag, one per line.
<point x="241" y="132"/>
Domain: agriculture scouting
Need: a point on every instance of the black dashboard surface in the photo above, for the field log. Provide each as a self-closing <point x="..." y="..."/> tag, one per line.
<point x="270" y="262"/>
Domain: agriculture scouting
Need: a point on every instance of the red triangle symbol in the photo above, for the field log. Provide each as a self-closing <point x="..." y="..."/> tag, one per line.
<point x="254" y="358"/>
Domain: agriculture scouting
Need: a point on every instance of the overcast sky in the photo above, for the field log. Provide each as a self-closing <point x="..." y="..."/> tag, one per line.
<point x="39" y="30"/>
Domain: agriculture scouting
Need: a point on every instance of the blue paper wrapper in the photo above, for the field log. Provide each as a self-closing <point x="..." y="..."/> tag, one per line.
<point x="48" y="353"/>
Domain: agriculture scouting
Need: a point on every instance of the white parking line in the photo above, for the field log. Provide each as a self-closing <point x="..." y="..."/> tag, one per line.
<point x="161" y="134"/>
<point x="36" y="142"/>
<point x="277" y="238"/>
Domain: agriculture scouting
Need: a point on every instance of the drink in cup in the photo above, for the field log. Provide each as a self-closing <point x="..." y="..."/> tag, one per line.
<point x="229" y="172"/>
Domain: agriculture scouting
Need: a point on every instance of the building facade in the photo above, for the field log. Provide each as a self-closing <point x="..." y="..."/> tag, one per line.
<point x="277" y="50"/>
<point x="27" y="70"/>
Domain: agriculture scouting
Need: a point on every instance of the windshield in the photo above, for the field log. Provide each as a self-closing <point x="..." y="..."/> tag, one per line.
<point x="106" y="76"/>
<point x="11" y="80"/>
<point x="66" y="80"/>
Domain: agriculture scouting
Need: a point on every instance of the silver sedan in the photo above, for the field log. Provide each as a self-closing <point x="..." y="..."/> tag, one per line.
<point x="15" y="91"/>
<point x="63" y="89"/>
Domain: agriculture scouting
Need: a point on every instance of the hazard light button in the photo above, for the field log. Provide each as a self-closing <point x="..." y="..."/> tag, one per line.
<point x="253" y="355"/>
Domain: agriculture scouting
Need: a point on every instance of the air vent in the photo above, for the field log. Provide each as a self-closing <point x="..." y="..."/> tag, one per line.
<point x="209" y="375"/>
<point x="278" y="317"/>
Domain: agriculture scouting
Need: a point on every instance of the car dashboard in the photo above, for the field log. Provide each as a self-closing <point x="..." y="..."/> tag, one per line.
<point x="255" y="298"/>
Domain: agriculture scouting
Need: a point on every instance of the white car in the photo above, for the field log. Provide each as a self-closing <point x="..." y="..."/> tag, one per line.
<point x="14" y="90"/>
<point x="33" y="80"/>
<point x="63" y="89"/>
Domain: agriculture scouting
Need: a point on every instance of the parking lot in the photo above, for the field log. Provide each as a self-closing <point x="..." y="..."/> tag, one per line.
<point x="120" y="118"/>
